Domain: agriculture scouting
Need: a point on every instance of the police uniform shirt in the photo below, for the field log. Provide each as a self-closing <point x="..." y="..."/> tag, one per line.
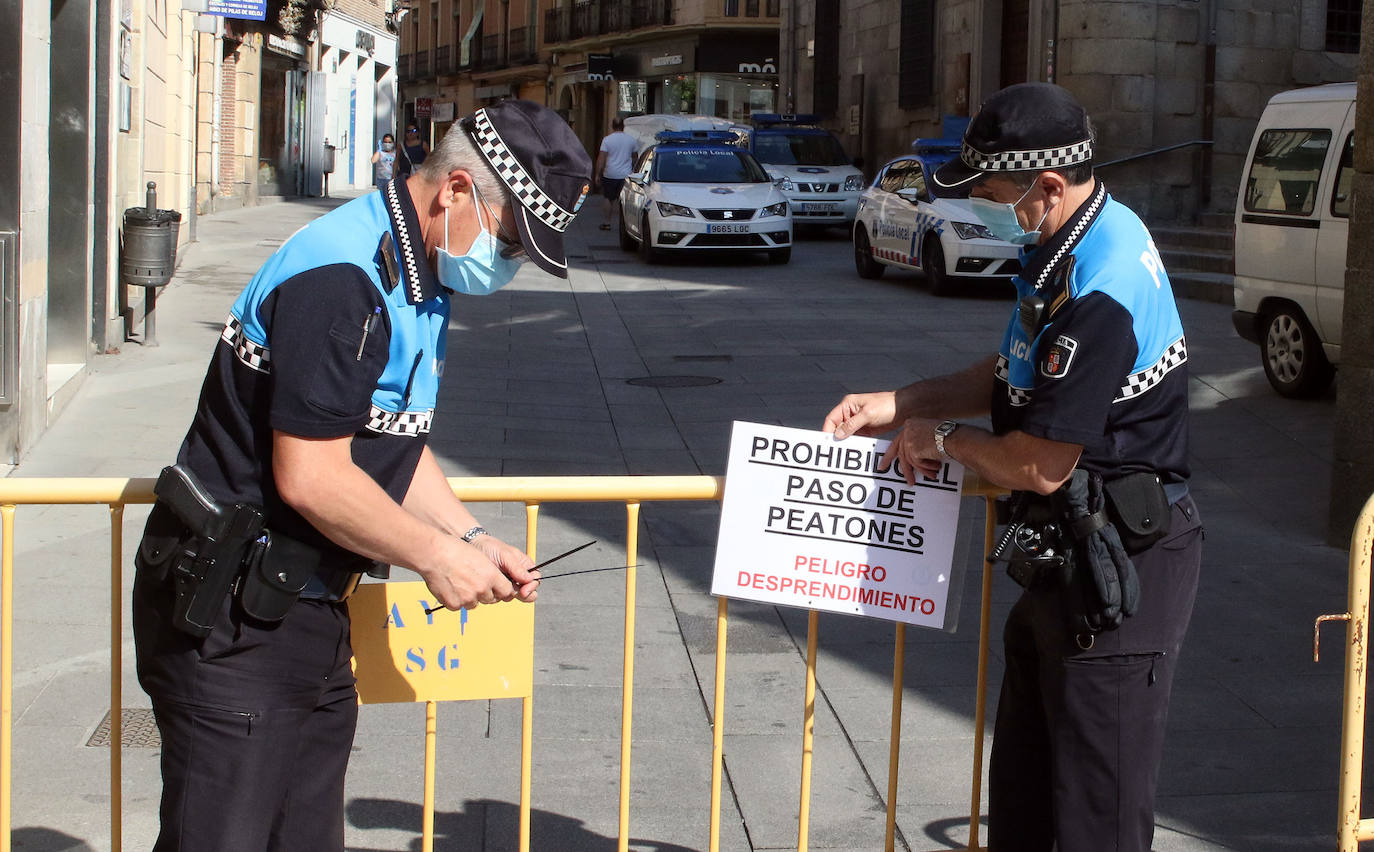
<point x="1108" y="370"/>
<point x="325" y="342"/>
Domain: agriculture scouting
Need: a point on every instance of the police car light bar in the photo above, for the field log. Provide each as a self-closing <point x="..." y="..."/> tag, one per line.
<point x="784" y="118"/>
<point x="720" y="136"/>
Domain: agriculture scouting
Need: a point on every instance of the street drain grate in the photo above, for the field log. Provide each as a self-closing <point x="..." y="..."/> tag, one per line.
<point x="138" y="730"/>
<point x="673" y="381"/>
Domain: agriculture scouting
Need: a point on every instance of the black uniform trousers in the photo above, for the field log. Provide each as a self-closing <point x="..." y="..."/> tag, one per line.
<point x="1079" y="733"/>
<point x="257" y="724"/>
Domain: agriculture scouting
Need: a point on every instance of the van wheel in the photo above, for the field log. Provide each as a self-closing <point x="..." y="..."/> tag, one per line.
<point x="933" y="264"/>
<point x="1292" y="354"/>
<point x="863" y="255"/>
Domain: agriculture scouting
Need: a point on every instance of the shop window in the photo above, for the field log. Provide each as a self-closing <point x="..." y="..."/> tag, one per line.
<point x="1343" y="26"/>
<point x="916" y="73"/>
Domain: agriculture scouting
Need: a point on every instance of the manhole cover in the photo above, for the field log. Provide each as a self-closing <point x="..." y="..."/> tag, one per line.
<point x="673" y="381"/>
<point x="137" y="730"/>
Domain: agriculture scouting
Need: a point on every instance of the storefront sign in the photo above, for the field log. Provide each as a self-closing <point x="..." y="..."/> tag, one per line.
<point x="666" y="61"/>
<point x="443" y="111"/>
<point x="247" y="9"/>
<point x="365" y="41"/>
<point x="424" y="107"/>
<point x="739" y="54"/>
<point x="290" y="47"/>
<point x="808" y="521"/>
<point x="600" y="66"/>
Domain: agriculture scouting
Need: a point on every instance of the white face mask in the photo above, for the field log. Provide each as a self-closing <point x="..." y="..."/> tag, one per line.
<point x="484" y="269"/>
<point x="1000" y="219"/>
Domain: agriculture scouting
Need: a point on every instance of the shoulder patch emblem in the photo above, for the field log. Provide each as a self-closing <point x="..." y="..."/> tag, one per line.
<point x="1059" y="357"/>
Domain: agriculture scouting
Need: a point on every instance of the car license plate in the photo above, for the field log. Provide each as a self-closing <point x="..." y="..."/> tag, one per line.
<point x="727" y="229"/>
<point x="818" y="206"/>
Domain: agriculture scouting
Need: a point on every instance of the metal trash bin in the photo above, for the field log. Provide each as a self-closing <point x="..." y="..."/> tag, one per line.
<point x="148" y="255"/>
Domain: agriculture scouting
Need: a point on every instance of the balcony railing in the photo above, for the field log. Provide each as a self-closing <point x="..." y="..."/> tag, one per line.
<point x="491" y="51"/>
<point x="602" y="17"/>
<point x="522" y="49"/>
<point x="403" y="68"/>
<point x="443" y="60"/>
<point x="422" y="65"/>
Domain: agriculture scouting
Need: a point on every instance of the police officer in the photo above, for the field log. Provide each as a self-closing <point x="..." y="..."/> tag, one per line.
<point x="1090" y="381"/>
<point x="315" y="409"/>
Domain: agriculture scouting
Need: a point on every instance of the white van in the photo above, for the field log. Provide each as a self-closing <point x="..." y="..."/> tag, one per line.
<point x="1292" y="220"/>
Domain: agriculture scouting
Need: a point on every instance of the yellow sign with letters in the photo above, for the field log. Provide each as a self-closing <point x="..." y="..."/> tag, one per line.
<point x="401" y="653"/>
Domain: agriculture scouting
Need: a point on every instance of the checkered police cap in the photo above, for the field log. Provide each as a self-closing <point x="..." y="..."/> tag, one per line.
<point x="535" y="153"/>
<point x="1029" y="127"/>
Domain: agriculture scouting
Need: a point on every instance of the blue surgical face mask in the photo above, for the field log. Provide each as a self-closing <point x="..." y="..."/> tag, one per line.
<point x="484" y="269"/>
<point x="1000" y="219"/>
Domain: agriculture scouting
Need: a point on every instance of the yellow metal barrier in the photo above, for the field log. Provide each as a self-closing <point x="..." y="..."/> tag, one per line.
<point x="1350" y="828"/>
<point x="532" y="491"/>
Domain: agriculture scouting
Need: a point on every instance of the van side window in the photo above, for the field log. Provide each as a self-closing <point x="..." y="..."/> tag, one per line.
<point x="1345" y="180"/>
<point x="1285" y="173"/>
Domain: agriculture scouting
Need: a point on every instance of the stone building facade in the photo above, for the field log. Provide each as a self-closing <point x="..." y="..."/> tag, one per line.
<point x="1151" y="74"/>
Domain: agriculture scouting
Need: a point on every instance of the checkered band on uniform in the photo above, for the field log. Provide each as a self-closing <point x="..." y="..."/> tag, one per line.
<point x="1016" y="396"/>
<point x="251" y="354"/>
<point x="399" y="422"/>
<point x="407" y="244"/>
<point x="1027" y="161"/>
<point x="508" y="168"/>
<point x="1137" y="383"/>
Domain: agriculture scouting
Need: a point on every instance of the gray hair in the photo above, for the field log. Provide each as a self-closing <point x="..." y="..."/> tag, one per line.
<point x="456" y="151"/>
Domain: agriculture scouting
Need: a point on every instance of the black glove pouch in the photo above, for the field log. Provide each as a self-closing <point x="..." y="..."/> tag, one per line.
<point x="1139" y="509"/>
<point x="277" y="569"/>
<point x="163" y="535"/>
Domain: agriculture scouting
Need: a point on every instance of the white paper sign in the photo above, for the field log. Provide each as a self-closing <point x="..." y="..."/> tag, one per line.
<point x="808" y="521"/>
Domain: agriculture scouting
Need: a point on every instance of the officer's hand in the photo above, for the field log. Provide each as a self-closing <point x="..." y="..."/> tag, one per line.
<point x="868" y="414"/>
<point x="914" y="446"/>
<point x="463" y="576"/>
<point x="513" y="562"/>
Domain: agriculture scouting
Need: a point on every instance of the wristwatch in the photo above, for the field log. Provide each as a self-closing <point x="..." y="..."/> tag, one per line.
<point x="943" y="431"/>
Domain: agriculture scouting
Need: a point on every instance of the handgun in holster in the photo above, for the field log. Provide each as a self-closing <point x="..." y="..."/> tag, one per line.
<point x="210" y="559"/>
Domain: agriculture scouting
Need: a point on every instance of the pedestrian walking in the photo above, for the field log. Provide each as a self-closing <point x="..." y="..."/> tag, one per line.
<point x="614" y="163"/>
<point x="384" y="161"/>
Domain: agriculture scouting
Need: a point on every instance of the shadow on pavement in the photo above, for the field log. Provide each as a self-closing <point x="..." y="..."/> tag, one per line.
<point x="468" y="829"/>
<point x="33" y="839"/>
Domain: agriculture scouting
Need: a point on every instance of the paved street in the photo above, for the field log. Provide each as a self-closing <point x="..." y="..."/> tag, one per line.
<point x="537" y="381"/>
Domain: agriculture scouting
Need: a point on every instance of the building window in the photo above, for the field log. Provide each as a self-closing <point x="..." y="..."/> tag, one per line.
<point x="731" y="8"/>
<point x="751" y="8"/>
<point x="1343" y="26"/>
<point x="916" y="73"/>
<point x="771" y="8"/>
<point x="825" y="78"/>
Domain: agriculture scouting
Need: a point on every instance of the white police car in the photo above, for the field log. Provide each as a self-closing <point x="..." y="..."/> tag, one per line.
<point x="818" y="177"/>
<point x="697" y="191"/>
<point x="900" y="224"/>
